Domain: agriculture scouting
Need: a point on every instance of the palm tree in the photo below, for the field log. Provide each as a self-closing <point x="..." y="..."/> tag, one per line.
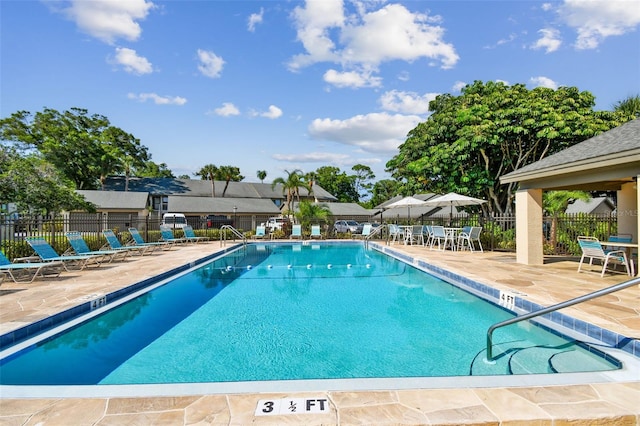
<point x="309" y="213"/>
<point x="261" y="174"/>
<point x="209" y="172"/>
<point x="290" y="185"/>
<point x="228" y="173"/>
<point x="629" y="106"/>
<point x="555" y="203"/>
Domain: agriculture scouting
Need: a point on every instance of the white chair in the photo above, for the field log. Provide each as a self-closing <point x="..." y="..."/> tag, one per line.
<point x="592" y="249"/>
<point x="315" y="232"/>
<point x="469" y="236"/>
<point x="441" y="237"/>
<point x="395" y="232"/>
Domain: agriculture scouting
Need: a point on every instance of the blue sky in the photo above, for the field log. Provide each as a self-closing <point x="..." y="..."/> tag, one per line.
<point x="284" y="85"/>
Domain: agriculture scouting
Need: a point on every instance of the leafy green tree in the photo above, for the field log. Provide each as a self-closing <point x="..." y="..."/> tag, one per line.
<point x="384" y="190"/>
<point x="153" y="170"/>
<point x="556" y="203"/>
<point x="338" y="183"/>
<point x="363" y="177"/>
<point x="290" y="185"/>
<point x="228" y="174"/>
<point x="36" y="186"/>
<point x="491" y="129"/>
<point x="261" y="174"/>
<point x="84" y="148"/>
<point x="209" y="172"/>
<point x="310" y="213"/>
<point x="630" y="106"/>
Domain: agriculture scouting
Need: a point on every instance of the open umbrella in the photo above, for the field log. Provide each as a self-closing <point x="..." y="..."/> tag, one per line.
<point x="453" y="199"/>
<point x="408" y="202"/>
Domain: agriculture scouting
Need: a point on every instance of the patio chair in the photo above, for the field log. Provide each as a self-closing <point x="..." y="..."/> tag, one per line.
<point x="296" y="231"/>
<point x="315" y="232"/>
<point x="137" y="240"/>
<point x="427" y="231"/>
<point x="79" y="246"/>
<point x="469" y="236"/>
<point x="167" y="236"/>
<point x="416" y="236"/>
<point x="441" y="237"/>
<point x="19" y="271"/>
<point x="592" y="249"/>
<point x="114" y="243"/>
<point x="366" y="231"/>
<point x="191" y="236"/>
<point x="48" y="254"/>
<point x="261" y="232"/>
<point x="395" y="232"/>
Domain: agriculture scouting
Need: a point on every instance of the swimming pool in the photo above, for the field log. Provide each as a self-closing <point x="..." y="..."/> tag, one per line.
<point x="286" y="304"/>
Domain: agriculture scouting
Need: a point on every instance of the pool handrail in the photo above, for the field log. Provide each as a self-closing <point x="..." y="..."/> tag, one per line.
<point x="571" y="302"/>
<point x="234" y="231"/>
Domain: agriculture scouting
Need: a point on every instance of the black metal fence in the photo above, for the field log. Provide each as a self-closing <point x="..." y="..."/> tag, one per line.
<point x="559" y="234"/>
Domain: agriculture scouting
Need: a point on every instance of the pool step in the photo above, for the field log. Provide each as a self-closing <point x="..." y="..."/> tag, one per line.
<point x="577" y="361"/>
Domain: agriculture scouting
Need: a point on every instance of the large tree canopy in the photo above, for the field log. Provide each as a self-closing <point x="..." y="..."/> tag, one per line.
<point x="84" y="148"/>
<point x="491" y="129"/>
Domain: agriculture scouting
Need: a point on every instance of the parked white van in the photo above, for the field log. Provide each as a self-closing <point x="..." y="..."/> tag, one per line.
<point x="174" y="220"/>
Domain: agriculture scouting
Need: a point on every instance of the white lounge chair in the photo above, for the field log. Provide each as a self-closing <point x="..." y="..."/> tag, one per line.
<point x="592" y="249"/>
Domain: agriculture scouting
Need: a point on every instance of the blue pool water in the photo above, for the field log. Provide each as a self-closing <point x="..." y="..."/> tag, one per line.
<point x="301" y="311"/>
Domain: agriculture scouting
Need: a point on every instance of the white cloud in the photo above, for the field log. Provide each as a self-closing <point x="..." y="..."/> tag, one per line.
<point x="550" y="40"/>
<point x="595" y="20"/>
<point x="157" y="99"/>
<point x="376" y="132"/>
<point x="226" y="110"/>
<point x="366" y="39"/>
<point x="458" y="86"/>
<point x="254" y="19"/>
<point x="210" y="64"/>
<point x="406" y="102"/>
<point x="544" y="82"/>
<point x="313" y="157"/>
<point x="131" y="62"/>
<point x="352" y="79"/>
<point x="109" y="20"/>
<point x="273" y="113"/>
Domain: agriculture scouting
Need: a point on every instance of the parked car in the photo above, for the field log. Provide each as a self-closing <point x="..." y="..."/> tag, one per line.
<point x="342" y="226"/>
<point x="218" y="221"/>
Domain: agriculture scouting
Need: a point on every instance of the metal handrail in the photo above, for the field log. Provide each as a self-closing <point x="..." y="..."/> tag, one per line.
<point x="234" y="231"/>
<point x="575" y="301"/>
<point x="374" y="231"/>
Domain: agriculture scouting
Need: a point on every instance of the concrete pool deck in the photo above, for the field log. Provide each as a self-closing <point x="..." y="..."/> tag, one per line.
<point x="588" y="403"/>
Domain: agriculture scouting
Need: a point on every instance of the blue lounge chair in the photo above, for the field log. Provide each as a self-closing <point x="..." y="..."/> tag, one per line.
<point x="48" y="254"/>
<point x="79" y="247"/>
<point x="167" y="236"/>
<point x="29" y="270"/>
<point x="191" y="236"/>
<point x="592" y="249"/>
<point x="114" y="244"/>
<point x="137" y="240"/>
<point x="296" y="231"/>
<point x="315" y="231"/>
<point x="261" y="232"/>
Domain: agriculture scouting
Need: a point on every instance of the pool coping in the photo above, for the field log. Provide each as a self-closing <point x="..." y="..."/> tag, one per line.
<point x="482" y="290"/>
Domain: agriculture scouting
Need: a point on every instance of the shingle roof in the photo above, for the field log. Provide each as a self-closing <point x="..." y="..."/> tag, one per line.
<point x="202" y="188"/>
<point x="116" y="200"/>
<point x="219" y="205"/>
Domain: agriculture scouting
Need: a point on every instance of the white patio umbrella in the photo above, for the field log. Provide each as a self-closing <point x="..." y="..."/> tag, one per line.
<point x="453" y="199"/>
<point x="408" y="202"/>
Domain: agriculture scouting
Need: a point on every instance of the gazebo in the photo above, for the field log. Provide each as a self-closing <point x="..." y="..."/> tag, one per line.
<point x="609" y="161"/>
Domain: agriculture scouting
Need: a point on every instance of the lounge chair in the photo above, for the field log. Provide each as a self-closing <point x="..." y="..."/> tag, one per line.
<point x="114" y="244"/>
<point x="191" y="236"/>
<point x="167" y="236"/>
<point x="315" y="232"/>
<point x="79" y="246"/>
<point x="137" y="240"/>
<point x="296" y="231"/>
<point x="48" y="254"/>
<point x="261" y="232"/>
<point x="592" y="249"/>
<point x="19" y="271"/>
<point x="366" y="231"/>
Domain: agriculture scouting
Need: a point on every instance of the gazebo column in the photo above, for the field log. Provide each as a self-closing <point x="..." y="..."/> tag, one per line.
<point x="627" y="210"/>
<point x="529" y="248"/>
